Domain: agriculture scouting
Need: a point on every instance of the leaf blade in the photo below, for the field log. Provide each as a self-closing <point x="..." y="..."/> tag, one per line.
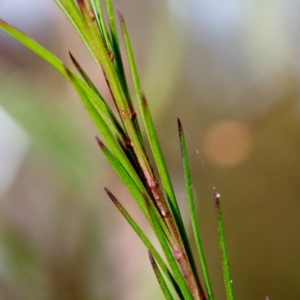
<point x="139" y="193"/>
<point x="146" y="241"/>
<point x="170" y="256"/>
<point x="223" y="248"/>
<point x="150" y="128"/>
<point x="193" y="212"/>
<point x="160" y="278"/>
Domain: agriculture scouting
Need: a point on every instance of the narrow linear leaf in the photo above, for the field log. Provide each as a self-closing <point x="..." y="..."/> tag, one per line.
<point x="153" y="140"/>
<point x="183" y="241"/>
<point x="128" y="116"/>
<point x="137" y="86"/>
<point x="105" y="130"/>
<point x="33" y="46"/>
<point x="116" y="47"/>
<point x="56" y="63"/>
<point x="193" y="211"/>
<point x="112" y="21"/>
<point x="166" y="181"/>
<point x="111" y="14"/>
<point x="146" y="242"/>
<point x="95" y="41"/>
<point x="160" y="278"/>
<point x="138" y="194"/>
<point x="120" y="67"/>
<point x="129" y="183"/>
<point x="223" y="248"/>
<point x="96" y="45"/>
<point x="100" y="103"/>
<point x="98" y="49"/>
<point x="84" y="75"/>
<point x="71" y="11"/>
<point x="91" y="37"/>
<point x="101" y="22"/>
<point x="120" y="163"/>
<point x="169" y="255"/>
<point x="74" y="14"/>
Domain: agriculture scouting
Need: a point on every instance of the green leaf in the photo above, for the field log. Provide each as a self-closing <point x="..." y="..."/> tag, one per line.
<point x="166" y="181"/>
<point x="155" y="147"/>
<point x="105" y="130"/>
<point x="55" y="62"/>
<point x="34" y="46"/>
<point x="86" y="28"/>
<point x="129" y="183"/>
<point x="119" y="66"/>
<point x="146" y="242"/>
<point x="169" y="255"/>
<point x="193" y="211"/>
<point x="160" y="278"/>
<point x="116" y="47"/>
<point x="125" y="148"/>
<point x="151" y="133"/>
<point x="101" y="22"/>
<point x="137" y="191"/>
<point x="72" y="12"/>
<point x="223" y="248"/>
<point x="84" y="75"/>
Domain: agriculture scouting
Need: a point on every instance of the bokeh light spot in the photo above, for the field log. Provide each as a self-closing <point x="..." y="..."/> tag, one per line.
<point x="227" y="143"/>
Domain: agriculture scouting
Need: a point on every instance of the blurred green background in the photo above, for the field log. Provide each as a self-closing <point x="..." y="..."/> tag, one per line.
<point x="230" y="71"/>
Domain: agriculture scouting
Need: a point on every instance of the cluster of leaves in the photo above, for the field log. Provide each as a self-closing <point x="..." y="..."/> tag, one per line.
<point x="124" y="147"/>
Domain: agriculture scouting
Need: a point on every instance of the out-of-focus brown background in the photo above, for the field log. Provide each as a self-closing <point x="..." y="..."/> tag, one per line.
<point x="230" y="71"/>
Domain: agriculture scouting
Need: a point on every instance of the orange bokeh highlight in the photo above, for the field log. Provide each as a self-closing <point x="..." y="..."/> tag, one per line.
<point x="227" y="143"/>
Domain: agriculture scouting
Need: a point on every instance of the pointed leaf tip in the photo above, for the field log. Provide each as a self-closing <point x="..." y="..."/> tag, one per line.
<point x="74" y="61"/>
<point x="151" y="259"/>
<point x="68" y="71"/>
<point x="71" y="56"/>
<point x="144" y="100"/>
<point x="178" y="122"/>
<point x="101" y="145"/>
<point x="111" y="195"/>
<point x="216" y="196"/>
<point x="121" y="17"/>
<point x="180" y="128"/>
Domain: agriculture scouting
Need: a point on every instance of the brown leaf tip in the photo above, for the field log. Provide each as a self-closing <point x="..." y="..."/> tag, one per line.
<point x="68" y="71"/>
<point x="144" y="100"/>
<point x="71" y="56"/>
<point x="217" y="195"/>
<point x="150" y="256"/>
<point x="179" y="126"/>
<point x="101" y="145"/>
<point x="121" y="17"/>
<point x="110" y="195"/>
<point x="74" y="61"/>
